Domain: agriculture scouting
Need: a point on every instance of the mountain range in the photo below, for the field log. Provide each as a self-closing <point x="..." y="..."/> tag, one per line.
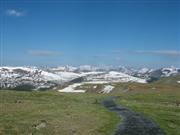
<point x="34" y="78"/>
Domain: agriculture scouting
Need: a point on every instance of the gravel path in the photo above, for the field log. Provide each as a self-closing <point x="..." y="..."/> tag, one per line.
<point x="133" y="123"/>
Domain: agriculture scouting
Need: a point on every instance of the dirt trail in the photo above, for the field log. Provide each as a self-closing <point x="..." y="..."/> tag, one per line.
<point x="133" y="123"/>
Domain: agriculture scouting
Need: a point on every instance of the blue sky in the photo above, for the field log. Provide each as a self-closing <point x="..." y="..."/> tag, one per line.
<point x="139" y="33"/>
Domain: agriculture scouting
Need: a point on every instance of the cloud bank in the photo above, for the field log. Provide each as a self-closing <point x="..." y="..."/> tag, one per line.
<point x="174" y="53"/>
<point x="43" y="53"/>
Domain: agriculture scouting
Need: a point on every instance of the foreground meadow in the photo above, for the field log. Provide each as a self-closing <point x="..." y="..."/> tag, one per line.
<point x="54" y="113"/>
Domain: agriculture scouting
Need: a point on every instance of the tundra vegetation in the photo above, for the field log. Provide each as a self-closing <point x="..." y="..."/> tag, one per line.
<point x="52" y="112"/>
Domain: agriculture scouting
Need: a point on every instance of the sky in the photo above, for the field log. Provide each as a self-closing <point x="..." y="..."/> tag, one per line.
<point x="135" y="33"/>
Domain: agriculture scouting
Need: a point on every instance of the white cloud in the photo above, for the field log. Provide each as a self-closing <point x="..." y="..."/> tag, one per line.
<point x="13" y="12"/>
<point x="160" y="52"/>
<point x="100" y="56"/>
<point x="44" y="53"/>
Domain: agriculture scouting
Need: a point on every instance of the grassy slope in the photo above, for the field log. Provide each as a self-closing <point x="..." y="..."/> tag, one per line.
<point x="158" y="101"/>
<point x="158" y="106"/>
<point x="65" y="114"/>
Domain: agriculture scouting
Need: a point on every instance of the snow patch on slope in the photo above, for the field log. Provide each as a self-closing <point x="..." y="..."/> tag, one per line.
<point x="108" y="89"/>
<point x="96" y="82"/>
<point x="68" y="76"/>
<point x="71" y="88"/>
<point x="121" y="77"/>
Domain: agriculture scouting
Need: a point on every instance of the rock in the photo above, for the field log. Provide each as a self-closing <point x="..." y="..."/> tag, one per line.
<point x="42" y="124"/>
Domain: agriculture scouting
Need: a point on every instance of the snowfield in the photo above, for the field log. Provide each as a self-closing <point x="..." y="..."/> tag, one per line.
<point x="91" y="73"/>
<point x="121" y="77"/>
<point x="112" y="76"/>
<point x="51" y="76"/>
<point x="68" y="76"/>
<point x="71" y="88"/>
<point x="96" y="82"/>
<point x="108" y="89"/>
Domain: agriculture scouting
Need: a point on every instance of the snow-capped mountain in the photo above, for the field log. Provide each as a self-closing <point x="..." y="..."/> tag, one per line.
<point x="170" y="71"/>
<point x="155" y="74"/>
<point x="87" y="68"/>
<point x="112" y="76"/>
<point x="144" y="71"/>
<point x="66" y="68"/>
<point x="163" y="72"/>
<point x="35" y="78"/>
